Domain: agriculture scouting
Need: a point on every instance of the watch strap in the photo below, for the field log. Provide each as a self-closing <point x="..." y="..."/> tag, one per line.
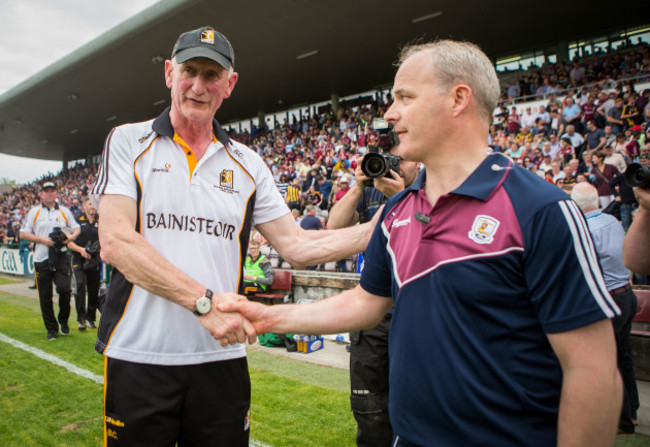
<point x="208" y="294"/>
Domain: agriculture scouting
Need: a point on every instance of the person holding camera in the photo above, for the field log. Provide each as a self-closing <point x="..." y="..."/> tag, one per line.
<point x="369" y="348"/>
<point x="43" y="226"/>
<point x="636" y="247"/>
<point x="86" y="266"/>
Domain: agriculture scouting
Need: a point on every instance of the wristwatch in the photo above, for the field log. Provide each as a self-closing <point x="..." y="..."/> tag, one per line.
<point x="203" y="304"/>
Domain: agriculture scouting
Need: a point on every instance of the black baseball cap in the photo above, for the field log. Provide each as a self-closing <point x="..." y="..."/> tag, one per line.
<point x="204" y="42"/>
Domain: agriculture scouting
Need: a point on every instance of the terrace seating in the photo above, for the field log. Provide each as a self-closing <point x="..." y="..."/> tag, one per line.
<point x="280" y="288"/>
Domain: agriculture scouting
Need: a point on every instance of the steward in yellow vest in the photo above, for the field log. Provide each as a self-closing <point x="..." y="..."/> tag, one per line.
<point x="258" y="272"/>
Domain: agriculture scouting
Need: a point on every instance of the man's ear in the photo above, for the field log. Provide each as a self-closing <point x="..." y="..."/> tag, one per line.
<point x="232" y="80"/>
<point x="461" y="95"/>
<point x="169" y="71"/>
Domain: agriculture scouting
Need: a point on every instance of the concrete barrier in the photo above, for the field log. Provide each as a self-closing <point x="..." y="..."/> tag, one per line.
<point x="314" y="285"/>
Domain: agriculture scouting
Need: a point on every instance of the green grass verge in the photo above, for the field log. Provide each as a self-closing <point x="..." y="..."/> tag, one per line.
<point x="321" y="376"/>
<point x="44" y="405"/>
<point x="293" y="403"/>
<point x="8" y="280"/>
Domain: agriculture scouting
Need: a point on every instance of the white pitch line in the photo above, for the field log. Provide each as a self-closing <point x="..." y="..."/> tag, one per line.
<point x="52" y="359"/>
<point x="75" y="369"/>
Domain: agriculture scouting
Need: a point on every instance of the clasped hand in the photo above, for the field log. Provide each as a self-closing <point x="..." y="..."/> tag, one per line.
<point x="228" y="328"/>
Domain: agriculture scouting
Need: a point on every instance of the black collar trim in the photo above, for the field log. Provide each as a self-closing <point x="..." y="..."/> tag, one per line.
<point x="163" y="126"/>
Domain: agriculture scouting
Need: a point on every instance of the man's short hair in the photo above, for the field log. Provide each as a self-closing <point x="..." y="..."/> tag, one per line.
<point x="457" y="62"/>
<point x="586" y="196"/>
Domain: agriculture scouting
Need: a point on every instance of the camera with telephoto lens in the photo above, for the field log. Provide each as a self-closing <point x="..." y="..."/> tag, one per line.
<point x="54" y="252"/>
<point x="379" y="161"/>
<point x="638" y="175"/>
<point x="58" y="237"/>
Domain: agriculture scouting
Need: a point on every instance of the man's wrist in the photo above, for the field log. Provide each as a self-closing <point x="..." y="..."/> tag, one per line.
<point x="203" y="304"/>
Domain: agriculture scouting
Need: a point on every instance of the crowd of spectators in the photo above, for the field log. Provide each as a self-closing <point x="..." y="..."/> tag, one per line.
<point x="589" y="133"/>
<point x="607" y="70"/>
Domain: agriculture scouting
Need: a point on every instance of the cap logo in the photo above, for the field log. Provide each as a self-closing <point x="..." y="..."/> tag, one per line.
<point x="207" y="36"/>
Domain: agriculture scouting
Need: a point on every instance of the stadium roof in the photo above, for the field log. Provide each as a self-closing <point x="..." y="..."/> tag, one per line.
<point x="347" y="46"/>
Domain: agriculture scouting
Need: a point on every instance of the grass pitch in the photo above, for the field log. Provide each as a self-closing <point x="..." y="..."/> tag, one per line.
<point x="41" y="404"/>
<point x="44" y="405"/>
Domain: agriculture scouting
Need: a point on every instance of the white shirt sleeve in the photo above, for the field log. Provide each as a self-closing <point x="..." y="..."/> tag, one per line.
<point x="72" y="222"/>
<point x="28" y="223"/>
<point x="116" y="172"/>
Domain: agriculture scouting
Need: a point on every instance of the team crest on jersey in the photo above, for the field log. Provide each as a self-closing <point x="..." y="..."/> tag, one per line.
<point x="227" y="182"/>
<point x="207" y="36"/>
<point x="483" y="229"/>
<point x="226" y="179"/>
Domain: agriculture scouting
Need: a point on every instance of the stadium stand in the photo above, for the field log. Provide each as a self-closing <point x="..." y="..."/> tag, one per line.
<point x="529" y="122"/>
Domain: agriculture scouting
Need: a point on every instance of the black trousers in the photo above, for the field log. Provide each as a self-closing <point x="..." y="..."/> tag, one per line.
<point x="86" y="278"/>
<point x="205" y="405"/>
<point x="627" y="302"/>
<point x="369" y="385"/>
<point x="61" y="277"/>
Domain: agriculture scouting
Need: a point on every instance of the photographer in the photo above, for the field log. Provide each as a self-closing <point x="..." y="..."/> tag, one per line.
<point x="43" y="226"/>
<point x="369" y="348"/>
<point x="636" y="248"/>
<point x="86" y="266"/>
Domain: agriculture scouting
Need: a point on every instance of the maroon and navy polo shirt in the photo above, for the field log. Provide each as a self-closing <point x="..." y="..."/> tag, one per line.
<point x="477" y="282"/>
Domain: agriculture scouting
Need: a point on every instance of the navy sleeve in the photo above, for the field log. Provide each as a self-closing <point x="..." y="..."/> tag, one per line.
<point x="564" y="280"/>
<point x="376" y="276"/>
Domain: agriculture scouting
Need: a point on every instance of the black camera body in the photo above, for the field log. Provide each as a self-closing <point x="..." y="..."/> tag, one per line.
<point x="637" y="175"/>
<point x="54" y="252"/>
<point x="92" y="248"/>
<point x="379" y="161"/>
<point x="58" y="237"/>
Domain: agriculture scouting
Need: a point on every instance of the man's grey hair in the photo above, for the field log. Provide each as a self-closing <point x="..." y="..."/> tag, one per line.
<point x="586" y="196"/>
<point x="456" y="63"/>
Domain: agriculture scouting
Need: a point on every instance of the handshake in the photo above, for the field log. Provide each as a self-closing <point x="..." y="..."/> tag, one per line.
<point x="233" y="319"/>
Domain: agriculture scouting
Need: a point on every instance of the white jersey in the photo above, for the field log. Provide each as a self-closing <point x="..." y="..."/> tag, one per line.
<point x="41" y="220"/>
<point x="198" y="216"/>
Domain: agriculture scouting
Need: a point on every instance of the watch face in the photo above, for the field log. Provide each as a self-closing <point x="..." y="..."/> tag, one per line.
<point x="203" y="305"/>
